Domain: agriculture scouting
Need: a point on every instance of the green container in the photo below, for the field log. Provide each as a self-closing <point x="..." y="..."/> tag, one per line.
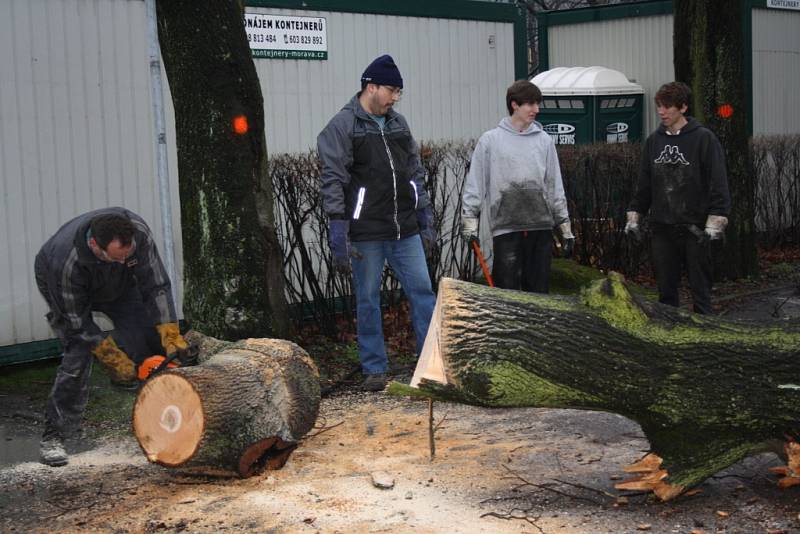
<point x="589" y="105"/>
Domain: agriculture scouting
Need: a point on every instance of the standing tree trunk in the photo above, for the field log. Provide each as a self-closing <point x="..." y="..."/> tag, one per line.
<point x="709" y="57"/>
<point x="232" y="259"/>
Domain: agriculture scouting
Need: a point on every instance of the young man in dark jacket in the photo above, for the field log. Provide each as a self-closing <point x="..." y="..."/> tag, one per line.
<point x="104" y="261"/>
<point x="684" y="187"/>
<point x="373" y="192"/>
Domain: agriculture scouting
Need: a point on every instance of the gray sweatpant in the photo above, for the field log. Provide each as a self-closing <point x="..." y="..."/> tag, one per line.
<point x="134" y="332"/>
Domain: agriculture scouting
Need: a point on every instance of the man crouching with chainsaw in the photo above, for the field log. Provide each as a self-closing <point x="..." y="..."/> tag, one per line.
<point x="104" y="261"/>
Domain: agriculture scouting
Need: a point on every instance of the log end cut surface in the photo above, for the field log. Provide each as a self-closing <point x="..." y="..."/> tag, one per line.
<point x="168" y="419"/>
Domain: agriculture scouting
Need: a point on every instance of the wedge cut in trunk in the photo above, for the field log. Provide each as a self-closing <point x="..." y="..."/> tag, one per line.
<point x="706" y="391"/>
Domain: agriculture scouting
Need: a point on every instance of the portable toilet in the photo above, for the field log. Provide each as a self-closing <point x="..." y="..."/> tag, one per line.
<point x="590" y="105"/>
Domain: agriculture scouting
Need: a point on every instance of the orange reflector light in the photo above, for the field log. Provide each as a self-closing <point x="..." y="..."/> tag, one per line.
<point x="240" y="126"/>
<point x="725" y="111"/>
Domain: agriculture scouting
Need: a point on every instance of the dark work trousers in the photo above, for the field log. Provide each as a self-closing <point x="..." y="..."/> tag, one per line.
<point x="522" y="260"/>
<point x="673" y="248"/>
<point x="135" y="334"/>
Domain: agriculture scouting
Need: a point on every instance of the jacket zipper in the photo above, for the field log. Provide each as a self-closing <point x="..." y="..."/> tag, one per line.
<point x="394" y="182"/>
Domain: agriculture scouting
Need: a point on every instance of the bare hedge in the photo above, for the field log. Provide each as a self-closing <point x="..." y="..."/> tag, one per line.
<point x="599" y="180"/>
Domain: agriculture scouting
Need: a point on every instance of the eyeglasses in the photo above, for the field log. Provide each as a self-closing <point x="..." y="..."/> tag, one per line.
<point x="118" y="258"/>
<point x="395" y="91"/>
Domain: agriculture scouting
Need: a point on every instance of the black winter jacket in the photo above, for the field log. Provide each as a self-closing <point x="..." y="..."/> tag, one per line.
<point x="72" y="278"/>
<point x="375" y="179"/>
<point x="682" y="178"/>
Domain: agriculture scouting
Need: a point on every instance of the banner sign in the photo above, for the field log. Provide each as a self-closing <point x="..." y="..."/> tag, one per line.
<point x="784" y="4"/>
<point x="286" y="36"/>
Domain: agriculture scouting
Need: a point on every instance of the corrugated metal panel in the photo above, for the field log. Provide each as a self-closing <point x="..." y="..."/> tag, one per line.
<point x="75" y="134"/>
<point x="776" y="71"/>
<point x="641" y="48"/>
<point x="76" y="113"/>
<point x="455" y="83"/>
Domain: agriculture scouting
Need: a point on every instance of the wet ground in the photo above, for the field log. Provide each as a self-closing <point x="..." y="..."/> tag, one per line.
<point x="495" y="470"/>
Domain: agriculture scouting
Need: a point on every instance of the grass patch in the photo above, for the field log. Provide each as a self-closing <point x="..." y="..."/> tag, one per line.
<point x="108" y="411"/>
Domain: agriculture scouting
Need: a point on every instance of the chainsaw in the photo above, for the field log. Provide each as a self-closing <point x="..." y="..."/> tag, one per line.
<point x="153" y="365"/>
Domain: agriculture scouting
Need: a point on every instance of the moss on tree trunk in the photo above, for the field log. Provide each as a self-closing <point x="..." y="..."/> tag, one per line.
<point x="232" y="259"/>
<point x="706" y="391"/>
<point x="709" y="57"/>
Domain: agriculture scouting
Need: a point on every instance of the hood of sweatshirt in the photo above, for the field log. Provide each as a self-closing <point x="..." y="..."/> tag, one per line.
<point x="691" y="125"/>
<point x="534" y="127"/>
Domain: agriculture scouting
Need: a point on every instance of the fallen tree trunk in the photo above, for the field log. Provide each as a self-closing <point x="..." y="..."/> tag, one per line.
<point x="243" y="409"/>
<point x="706" y="391"/>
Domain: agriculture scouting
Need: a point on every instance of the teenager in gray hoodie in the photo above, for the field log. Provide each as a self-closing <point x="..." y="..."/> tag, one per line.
<point x="515" y="173"/>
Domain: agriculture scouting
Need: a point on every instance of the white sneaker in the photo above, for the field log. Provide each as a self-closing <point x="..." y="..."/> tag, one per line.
<point x="52" y="453"/>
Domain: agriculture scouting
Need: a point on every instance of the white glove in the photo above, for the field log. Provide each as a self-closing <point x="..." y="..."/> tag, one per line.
<point x="566" y="230"/>
<point x="469" y="228"/>
<point x="632" y="228"/>
<point x="715" y="226"/>
<point x="567" y="239"/>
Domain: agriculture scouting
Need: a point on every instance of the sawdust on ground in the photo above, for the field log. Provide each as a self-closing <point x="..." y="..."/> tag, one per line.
<point x="495" y="470"/>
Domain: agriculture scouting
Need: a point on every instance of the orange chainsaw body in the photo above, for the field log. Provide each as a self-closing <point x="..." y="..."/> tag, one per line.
<point x="151" y="363"/>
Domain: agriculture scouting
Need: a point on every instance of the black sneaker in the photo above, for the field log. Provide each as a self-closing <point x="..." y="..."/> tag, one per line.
<point x="52" y="453"/>
<point x="127" y="385"/>
<point x="374" y="382"/>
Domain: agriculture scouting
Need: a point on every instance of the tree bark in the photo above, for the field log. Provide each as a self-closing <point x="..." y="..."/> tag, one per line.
<point x="232" y="258"/>
<point x="709" y="57"/>
<point x="706" y="391"/>
<point x="243" y="409"/>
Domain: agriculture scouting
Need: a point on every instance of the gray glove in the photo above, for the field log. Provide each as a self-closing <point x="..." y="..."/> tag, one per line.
<point x="469" y="228"/>
<point x="632" y="228"/>
<point x="715" y="227"/>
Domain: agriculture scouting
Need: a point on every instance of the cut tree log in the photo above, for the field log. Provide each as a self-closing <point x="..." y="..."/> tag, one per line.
<point x="242" y="410"/>
<point x="706" y="391"/>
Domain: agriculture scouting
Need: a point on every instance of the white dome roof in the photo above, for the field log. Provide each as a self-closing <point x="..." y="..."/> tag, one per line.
<point x="585" y="81"/>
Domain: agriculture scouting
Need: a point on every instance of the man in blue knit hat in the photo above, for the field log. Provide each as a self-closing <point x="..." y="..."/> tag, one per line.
<point x="373" y="192"/>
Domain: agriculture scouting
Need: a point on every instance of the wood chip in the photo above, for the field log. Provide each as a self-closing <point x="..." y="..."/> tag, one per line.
<point x="692" y="492"/>
<point x="696" y="531"/>
<point x="723" y="514"/>
<point x="644" y="526"/>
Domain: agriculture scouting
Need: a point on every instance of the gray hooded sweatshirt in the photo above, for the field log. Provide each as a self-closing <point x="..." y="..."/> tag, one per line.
<point x="516" y="174"/>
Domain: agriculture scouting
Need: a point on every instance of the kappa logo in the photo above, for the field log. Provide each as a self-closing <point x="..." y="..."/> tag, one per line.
<point x="617" y="128"/>
<point x="558" y="129"/>
<point x="671" y="155"/>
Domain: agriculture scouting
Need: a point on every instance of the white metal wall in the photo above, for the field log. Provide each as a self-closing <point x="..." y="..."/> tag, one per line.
<point x="75" y="135"/>
<point x="455" y="84"/>
<point x="776" y="71"/>
<point x="640" y="48"/>
<point x="76" y="114"/>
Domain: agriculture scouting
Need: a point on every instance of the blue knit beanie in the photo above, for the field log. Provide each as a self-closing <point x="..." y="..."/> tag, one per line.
<point x="383" y="71"/>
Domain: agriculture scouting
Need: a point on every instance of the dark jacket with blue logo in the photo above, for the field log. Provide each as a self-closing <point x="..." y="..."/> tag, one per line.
<point x="72" y="279"/>
<point x="682" y="179"/>
<point x="373" y="178"/>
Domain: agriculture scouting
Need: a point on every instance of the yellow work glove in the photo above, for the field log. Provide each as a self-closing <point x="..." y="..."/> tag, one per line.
<point x="119" y="366"/>
<point x="171" y="338"/>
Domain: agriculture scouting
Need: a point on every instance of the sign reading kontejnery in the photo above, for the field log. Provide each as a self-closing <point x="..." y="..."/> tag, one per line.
<point x="286" y="36"/>
<point x="784" y="4"/>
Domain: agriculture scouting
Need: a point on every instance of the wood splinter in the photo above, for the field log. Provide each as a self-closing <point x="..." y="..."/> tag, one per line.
<point x="650" y="477"/>
<point x="790" y="471"/>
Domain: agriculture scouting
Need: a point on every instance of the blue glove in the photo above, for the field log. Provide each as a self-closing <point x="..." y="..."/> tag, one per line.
<point x="340" y="244"/>
<point x="426" y="230"/>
